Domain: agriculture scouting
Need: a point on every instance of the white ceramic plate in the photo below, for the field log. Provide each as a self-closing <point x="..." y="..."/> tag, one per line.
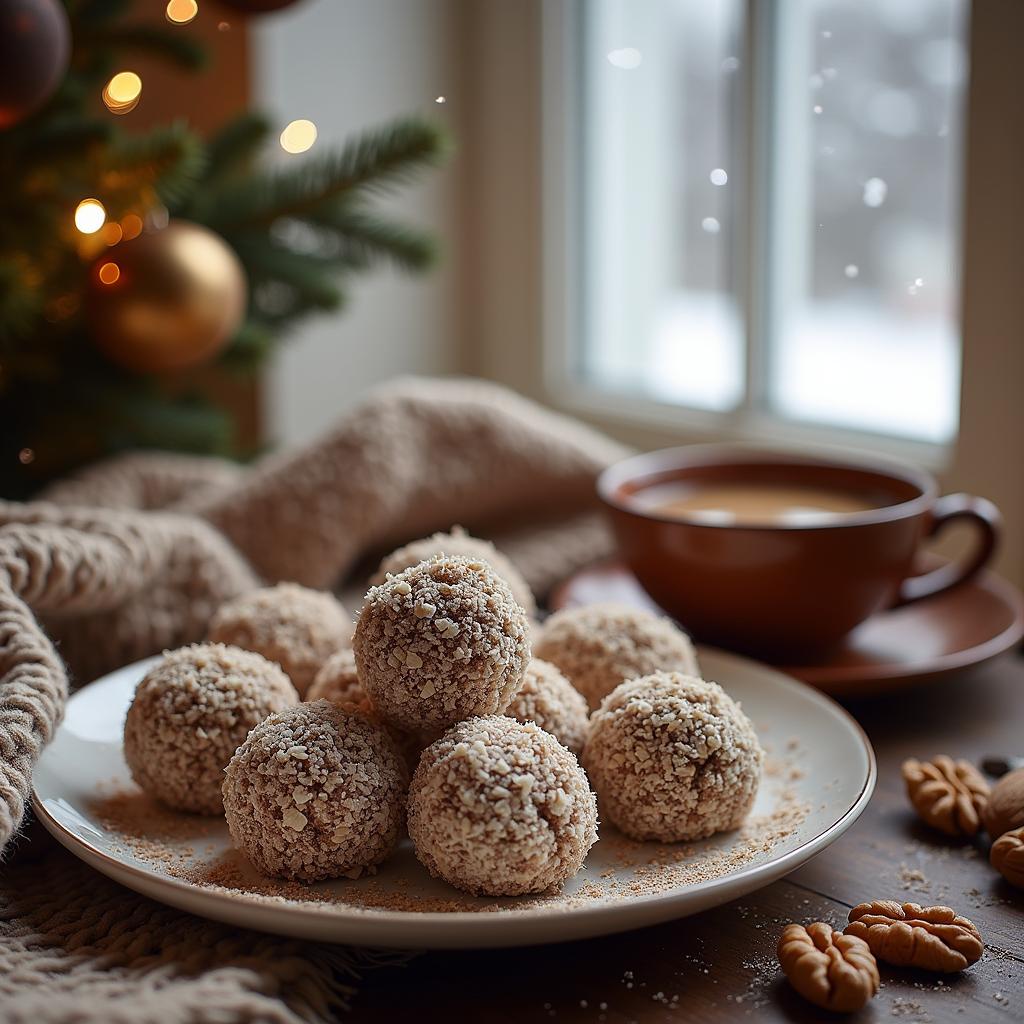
<point x="819" y="777"/>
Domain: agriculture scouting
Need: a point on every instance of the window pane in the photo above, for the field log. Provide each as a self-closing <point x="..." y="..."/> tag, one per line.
<point x="870" y="123"/>
<point x="659" y="175"/>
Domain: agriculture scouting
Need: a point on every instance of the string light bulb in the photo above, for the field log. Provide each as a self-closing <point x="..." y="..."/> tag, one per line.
<point x="121" y="94"/>
<point x="298" y="136"/>
<point x="109" y="273"/>
<point x="131" y="226"/>
<point x="90" y="216"/>
<point x="181" y="12"/>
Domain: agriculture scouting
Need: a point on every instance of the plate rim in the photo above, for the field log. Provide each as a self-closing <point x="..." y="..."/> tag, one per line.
<point x="116" y="868"/>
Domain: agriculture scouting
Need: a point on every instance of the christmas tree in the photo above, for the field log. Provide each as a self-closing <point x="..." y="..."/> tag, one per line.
<point x="127" y="260"/>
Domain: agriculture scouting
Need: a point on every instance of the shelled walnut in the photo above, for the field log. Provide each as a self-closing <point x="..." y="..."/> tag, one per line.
<point x="909" y="935"/>
<point x="830" y="969"/>
<point x="1007" y="856"/>
<point x="1005" y="810"/>
<point x="948" y="795"/>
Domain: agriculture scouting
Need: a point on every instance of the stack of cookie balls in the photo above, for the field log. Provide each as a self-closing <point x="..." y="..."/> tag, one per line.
<point x="448" y="709"/>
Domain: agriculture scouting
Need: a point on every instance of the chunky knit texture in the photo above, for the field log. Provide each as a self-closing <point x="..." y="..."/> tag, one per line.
<point x="134" y="555"/>
<point x="76" y="947"/>
<point x="76" y="566"/>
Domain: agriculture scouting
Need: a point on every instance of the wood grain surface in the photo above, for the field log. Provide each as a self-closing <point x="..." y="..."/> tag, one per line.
<point x="721" y="965"/>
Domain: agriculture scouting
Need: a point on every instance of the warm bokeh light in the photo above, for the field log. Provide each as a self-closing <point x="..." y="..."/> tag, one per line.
<point x="298" y="136"/>
<point x="181" y="12"/>
<point x="90" y="216"/>
<point x="131" y="226"/>
<point x="121" y="94"/>
<point x="109" y="273"/>
<point x="26" y="455"/>
<point x="112" y="233"/>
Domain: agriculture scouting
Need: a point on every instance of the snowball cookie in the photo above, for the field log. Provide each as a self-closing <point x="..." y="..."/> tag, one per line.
<point x="672" y="757"/>
<point x="546" y="697"/>
<point x="500" y="808"/>
<point x="190" y="712"/>
<point x="297" y="627"/>
<point x="440" y="642"/>
<point x="599" y="646"/>
<point x="316" y="791"/>
<point x="337" y="680"/>
<point x="459" y="542"/>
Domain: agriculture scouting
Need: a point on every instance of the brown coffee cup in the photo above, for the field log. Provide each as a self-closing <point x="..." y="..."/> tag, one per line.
<point x="789" y="588"/>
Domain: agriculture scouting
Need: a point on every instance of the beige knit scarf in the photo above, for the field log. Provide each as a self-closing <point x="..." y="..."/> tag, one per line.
<point x="133" y="555"/>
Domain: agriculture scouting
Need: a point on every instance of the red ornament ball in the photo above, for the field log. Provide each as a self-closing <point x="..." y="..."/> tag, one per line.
<point x="35" y="43"/>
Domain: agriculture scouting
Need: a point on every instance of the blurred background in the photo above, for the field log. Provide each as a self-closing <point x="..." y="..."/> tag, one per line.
<point x="794" y="221"/>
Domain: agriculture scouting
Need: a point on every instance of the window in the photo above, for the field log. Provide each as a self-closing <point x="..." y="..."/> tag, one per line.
<point x="767" y="219"/>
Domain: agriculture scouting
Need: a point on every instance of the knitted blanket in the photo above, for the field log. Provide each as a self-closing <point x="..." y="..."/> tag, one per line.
<point x="133" y="555"/>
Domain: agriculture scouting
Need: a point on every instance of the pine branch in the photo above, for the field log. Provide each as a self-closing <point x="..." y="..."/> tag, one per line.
<point x="66" y="137"/>
<point x="376" y="161"/>
<point x="138" y="417"/>
<point x="308" y="276"/>
<point x="173" y="47"/>
<point x="19" y="305"/>
<point x="365" y="239"/>
<point x="171" y="159"/>
<point x="235" y="145"/>
<point x="95" y="12"/>
<point x="250" y="346"/>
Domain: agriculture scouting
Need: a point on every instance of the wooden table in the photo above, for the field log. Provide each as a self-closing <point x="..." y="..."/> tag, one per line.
<point x="721" y="965"/>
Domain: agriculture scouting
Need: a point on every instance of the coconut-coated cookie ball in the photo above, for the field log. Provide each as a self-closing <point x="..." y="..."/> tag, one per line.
<point x="440" y="642"/>
<point x="672" y="758"/>
<point x="501" y="808"/>
<point x="459" y="542"/>
<point x="546" y="697"/>
<point x="190" y="711"/>
<point x="316" y="791"/>
<point x="297" y="627"/>
<point x="599" y="646"/>
<point x="337" y="680"/>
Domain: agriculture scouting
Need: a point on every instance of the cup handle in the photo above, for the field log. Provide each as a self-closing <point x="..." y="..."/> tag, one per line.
<point x="949" y="508"/>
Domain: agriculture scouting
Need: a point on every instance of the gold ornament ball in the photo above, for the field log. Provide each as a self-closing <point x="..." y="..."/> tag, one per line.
<point x="167" y="300"/>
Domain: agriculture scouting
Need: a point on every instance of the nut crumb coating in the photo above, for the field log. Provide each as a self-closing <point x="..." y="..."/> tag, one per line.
<point x="500" y="808"/>
<point x="337" y="680"/>
<point x="672" y="758"/>
<point x="598" y="646"/>
<point x="189" y="713"/>
<point x="316" y="791"/>
<point x="458" y="542"/>
<point x="546" y="697"/>
<point x="297" y="627"/>
<point x="441" y="642"/>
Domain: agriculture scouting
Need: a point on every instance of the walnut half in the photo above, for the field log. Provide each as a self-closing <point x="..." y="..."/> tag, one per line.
<point x="832" y="970"/>
<point x="909" y="935"/>
<point x="948" y="795"/>
<point x="1007" y="856"/>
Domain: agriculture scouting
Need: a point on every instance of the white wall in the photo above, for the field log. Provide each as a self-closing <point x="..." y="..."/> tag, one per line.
<point x="346" y="65"/>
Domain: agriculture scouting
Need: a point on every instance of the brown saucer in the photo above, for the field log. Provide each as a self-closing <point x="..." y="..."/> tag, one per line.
<point x="916" y="643"/>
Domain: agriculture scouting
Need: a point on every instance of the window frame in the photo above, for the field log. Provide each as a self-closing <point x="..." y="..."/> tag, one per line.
<point x="752" y="420"/>
<point x="513" y="311"/>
